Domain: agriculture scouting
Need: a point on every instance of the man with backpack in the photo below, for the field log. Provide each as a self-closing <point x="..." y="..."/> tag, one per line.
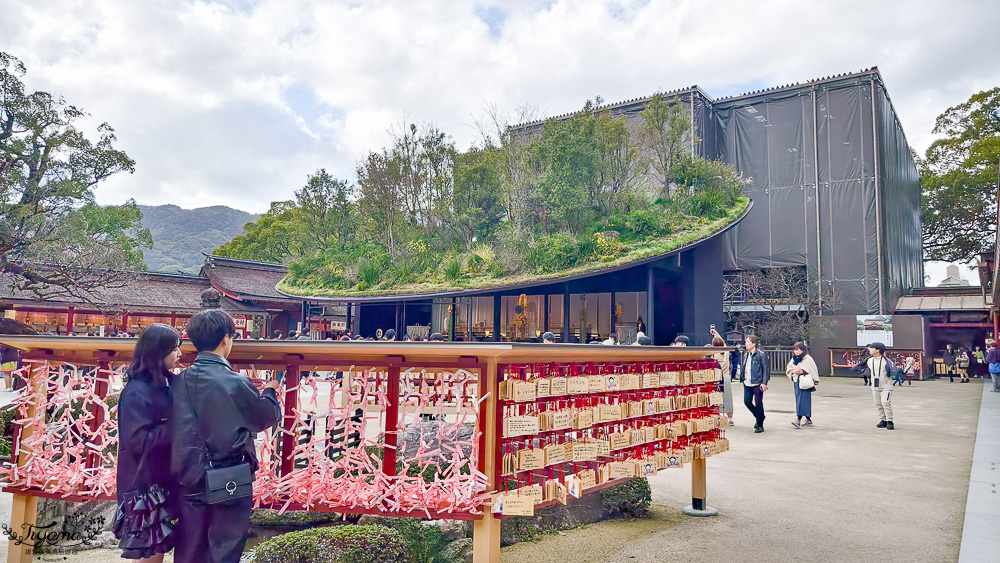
<point x="882" y="370"/>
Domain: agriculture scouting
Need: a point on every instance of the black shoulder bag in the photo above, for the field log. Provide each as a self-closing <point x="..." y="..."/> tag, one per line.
<point x="223" y="484"/>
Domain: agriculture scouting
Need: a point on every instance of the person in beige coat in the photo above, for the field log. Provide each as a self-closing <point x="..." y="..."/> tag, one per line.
<point x="803" y="372"/>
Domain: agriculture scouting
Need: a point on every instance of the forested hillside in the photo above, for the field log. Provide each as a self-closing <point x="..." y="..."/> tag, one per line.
<point x="180" y="236"/>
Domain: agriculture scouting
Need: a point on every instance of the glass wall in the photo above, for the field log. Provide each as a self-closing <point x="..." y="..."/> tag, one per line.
<point x="472" y="317"/>
<point x="441" y="317"/>
<point x="589" y="316"/>
<point x="521" y="317"/>
<point x="556" y="316"/>
<point x="630" y="315"/>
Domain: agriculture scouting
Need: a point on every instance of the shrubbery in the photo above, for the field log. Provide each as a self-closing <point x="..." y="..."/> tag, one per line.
<point x="335" y="544"/>
<point x="631" y="498"/>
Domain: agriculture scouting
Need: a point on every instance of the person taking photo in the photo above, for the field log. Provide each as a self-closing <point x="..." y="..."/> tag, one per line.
<point x="217" y="412"/>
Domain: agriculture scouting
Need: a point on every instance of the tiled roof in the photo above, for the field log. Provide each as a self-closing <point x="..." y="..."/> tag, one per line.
<point x="161" y="292"/>
<point x="944" y="303"/>
<point x="245" y="278"/>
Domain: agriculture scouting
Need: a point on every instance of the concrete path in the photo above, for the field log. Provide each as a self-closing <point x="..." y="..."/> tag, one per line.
<point x="980" y="537"/>
<point x="840" y="491"/>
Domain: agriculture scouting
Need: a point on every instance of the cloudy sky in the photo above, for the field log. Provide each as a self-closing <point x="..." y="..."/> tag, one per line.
<point x="235" y="101"/>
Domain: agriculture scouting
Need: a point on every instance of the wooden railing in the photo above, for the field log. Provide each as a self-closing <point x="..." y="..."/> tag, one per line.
<point x="340" y="445"/>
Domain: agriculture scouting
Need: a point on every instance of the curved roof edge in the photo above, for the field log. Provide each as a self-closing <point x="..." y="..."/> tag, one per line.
<point x="541" y="281"/>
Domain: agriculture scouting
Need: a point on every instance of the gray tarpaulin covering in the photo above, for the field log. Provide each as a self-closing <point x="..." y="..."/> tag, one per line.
<point x="822" y="140"/>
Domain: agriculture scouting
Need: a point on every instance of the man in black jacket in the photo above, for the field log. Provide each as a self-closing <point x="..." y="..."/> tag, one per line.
<point x="755" y="372"/>
<point x="216" y="412"/>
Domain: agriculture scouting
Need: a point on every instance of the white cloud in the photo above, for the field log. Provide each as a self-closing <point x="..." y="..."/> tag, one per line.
<point x="237" y="101"/>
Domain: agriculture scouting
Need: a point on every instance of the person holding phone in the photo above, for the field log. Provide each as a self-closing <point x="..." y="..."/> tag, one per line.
<point x="216" y="414"/>
<point x="727" y="383"/>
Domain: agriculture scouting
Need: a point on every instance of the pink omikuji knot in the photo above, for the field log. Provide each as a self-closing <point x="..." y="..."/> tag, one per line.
<point x="338" y="452"/>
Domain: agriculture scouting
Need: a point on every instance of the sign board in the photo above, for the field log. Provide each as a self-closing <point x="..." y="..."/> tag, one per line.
<point x="874" y="328"/>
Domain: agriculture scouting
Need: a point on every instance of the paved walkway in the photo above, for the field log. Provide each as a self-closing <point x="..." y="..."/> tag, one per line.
<point x="841" y="491"/>
<point x="980" y="537"/>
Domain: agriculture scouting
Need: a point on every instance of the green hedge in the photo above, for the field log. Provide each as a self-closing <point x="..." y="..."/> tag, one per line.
<point x="335" y="544"/>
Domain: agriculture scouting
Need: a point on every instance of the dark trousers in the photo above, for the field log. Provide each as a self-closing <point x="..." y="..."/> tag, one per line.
<point x="212" y="533"/>
<point x="753" y="398"/>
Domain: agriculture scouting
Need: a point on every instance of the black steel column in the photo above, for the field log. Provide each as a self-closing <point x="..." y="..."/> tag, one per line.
<point x="496" y="318"/>
<point x="650" y="301"/>
<point x="613" y="307"/>
<point x="545" y="314"/>
<point x="566" y="312"/>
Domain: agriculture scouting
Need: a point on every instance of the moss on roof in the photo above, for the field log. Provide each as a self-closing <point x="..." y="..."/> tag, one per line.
<point x="694" y="230"/>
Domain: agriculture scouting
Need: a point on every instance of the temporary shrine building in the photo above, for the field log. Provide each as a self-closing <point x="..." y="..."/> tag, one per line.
<point x="679" y="292"/>
<point x="836" y="194"/>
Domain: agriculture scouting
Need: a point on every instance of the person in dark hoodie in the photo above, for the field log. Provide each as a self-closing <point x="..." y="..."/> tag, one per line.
<point x="216" y="412"/>
<point x="143" y="522"/>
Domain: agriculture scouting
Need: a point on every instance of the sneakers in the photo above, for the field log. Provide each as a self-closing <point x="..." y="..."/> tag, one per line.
<point x="796" y="424"/>
<point x="758" y="430"/>
<point x="890" y="426"/>
<point x="882" y="424"/>
<point x="731" y="423"/>
<point x="807" y="423"/>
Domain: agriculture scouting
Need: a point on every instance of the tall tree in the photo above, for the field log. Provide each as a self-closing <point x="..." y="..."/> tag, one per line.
<point x="567" y="162"/>
<point x="477" y="205"/>
<point x="617" y="174"/>
<point x="958" y="179"/>
<point x="663" y="127"/>
<point x="54" y="241"/>
<point x="325" y="211"/>
<point x="383" y="191"/>
<point x="272" y="238"/>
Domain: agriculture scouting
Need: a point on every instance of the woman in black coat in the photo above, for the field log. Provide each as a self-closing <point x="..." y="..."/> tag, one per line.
<point x="144" y="519"/>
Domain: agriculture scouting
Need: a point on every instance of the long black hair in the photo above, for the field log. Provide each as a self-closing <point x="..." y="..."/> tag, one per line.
<point x="156" y="342"/>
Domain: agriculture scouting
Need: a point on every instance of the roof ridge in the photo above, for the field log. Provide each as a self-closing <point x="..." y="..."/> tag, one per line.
<point x="212" y="258"/>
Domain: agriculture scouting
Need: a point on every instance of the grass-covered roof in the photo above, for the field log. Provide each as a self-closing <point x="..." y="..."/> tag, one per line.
<point x="587" y="193"/>
<point x="692" y="231"/>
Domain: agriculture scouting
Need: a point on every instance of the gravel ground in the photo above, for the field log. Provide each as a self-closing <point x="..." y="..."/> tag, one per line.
<point x="840" y="491"/>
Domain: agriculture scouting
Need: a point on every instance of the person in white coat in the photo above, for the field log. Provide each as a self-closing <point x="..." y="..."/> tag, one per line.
<point x="802" y="370"/>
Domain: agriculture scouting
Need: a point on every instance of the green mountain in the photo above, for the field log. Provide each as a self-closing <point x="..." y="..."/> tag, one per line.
<point x="180" y="236"/>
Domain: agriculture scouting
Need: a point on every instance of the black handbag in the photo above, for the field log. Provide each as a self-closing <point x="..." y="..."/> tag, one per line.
<point x="223" y="484"/>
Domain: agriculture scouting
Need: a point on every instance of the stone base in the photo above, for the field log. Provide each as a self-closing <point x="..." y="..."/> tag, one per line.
<point x="707" y="511"/>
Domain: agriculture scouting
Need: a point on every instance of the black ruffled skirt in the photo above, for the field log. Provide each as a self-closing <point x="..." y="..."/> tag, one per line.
<point x="144" y="523"/>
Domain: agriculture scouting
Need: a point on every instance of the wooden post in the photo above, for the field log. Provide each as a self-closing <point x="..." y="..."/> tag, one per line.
<point x="102" y="383"/>
<point x="392" y="394"/>
<point x="23" y="514"/>
<point x="699" y="490"/>
<point x="24" y="511"/>
<point x="289" y="422"/>
<point x="486" y="532"/>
